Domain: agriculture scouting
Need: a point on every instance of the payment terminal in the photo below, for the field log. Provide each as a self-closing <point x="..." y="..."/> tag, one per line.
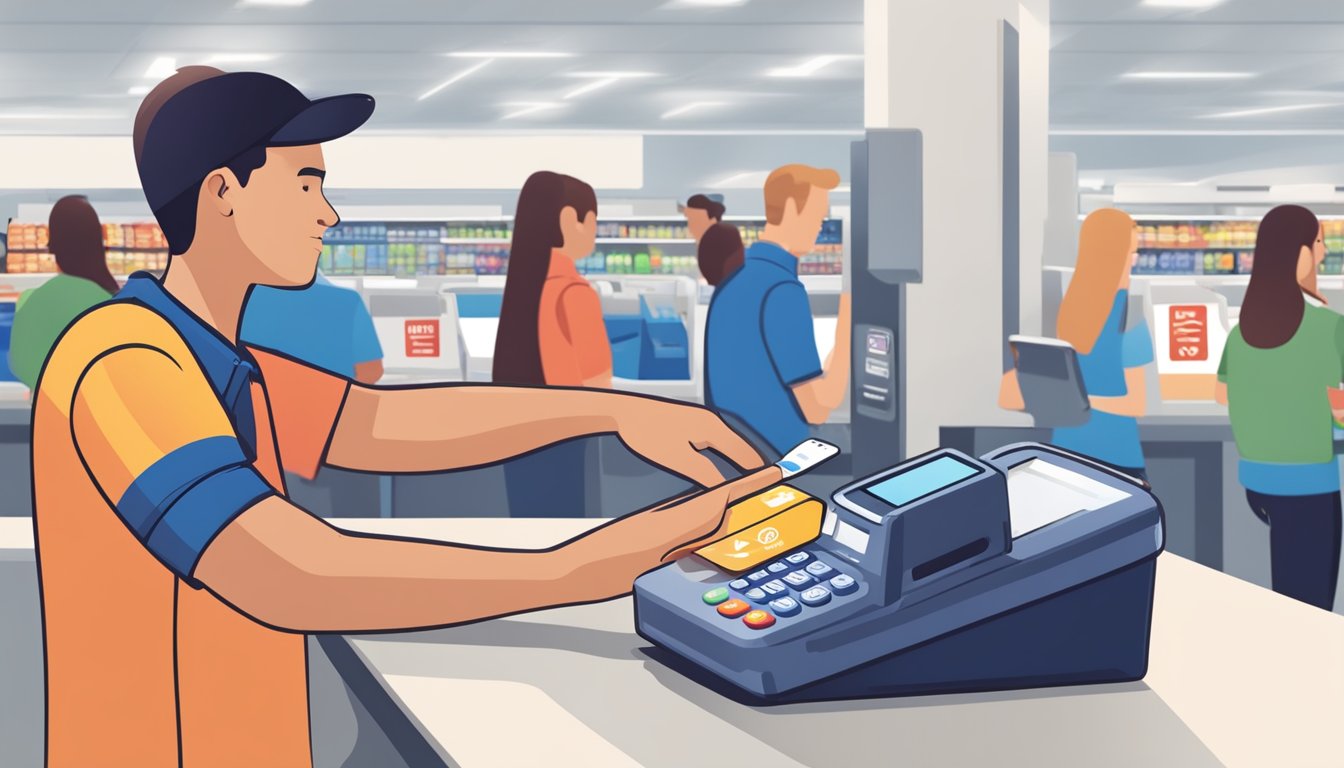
<point x="1028" y="567"/>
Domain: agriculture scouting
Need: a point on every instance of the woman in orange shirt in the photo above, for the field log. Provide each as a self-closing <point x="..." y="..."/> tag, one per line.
<point x="551" y="333"/>
<point x="550" y="326"/>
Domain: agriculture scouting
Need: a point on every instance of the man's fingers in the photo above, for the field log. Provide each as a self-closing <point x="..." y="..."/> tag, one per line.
<point x="755" y="482"/>
<point x="732" y="446"/>
<point x="698" y="468"/>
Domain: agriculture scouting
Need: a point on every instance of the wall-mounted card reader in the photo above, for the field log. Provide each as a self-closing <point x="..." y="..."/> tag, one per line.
<point x="877" y="382"/>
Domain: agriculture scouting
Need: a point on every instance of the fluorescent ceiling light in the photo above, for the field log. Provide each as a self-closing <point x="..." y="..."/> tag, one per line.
<point x="509" y="55"/>
<point x="464" y="73"/>
<point x="277" y="3"/>
<point x="590" y="87"/>
<point x="1184" y="4"/>
<point x="137" y="90"/>
<point x="161" y="67"/>
<point x="809" y="67"/>
<point x="528" y="107"/>
<point x="691" y="107"/>
<point x="1272" y="110"/>
<point x="239" y="58"/>
<point x="1163" y="75"/>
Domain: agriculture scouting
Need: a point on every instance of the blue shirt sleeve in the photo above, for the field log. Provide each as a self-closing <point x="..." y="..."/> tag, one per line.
<point x="177" y="520"/>
<point x="364" y="339"/>
<point x="786" y="326"/>
<point x="1136" y="346"/>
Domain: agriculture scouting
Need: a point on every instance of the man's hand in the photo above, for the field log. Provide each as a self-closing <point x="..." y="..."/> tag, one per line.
<point x="606" y="562"/>
<point x="672" y="435"/>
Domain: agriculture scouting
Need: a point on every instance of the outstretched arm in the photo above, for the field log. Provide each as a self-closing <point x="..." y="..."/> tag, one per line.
<point x="437" y="428"/>
<point x="288" y="569"/>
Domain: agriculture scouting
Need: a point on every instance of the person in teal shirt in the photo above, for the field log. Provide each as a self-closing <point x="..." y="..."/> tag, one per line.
<point x="1279" y="369"/>
<point x="1111" y="353"/>
<point x="41" y="315"/>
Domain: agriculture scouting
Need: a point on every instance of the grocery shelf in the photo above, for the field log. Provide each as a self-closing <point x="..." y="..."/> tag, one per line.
<point x="1143" y="248"/>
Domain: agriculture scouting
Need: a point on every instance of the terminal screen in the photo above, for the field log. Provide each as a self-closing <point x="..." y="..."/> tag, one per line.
<point x="921" y="481"/>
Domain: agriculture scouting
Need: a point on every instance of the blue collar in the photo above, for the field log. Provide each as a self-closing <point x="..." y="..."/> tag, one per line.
<point x="771" y="253"/>
<point x="229" y="368"/>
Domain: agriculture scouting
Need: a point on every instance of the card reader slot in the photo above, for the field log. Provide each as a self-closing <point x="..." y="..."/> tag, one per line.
<point x="949" y="559"/>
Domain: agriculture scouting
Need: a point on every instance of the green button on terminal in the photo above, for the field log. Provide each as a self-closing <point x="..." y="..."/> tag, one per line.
<point x="716" y="596"/>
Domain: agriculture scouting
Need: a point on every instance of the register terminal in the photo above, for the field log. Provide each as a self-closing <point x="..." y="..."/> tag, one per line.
<point x="1028" y="567"/>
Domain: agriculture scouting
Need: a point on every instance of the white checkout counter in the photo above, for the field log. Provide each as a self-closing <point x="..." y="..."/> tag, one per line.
<point x="575" y="685"/>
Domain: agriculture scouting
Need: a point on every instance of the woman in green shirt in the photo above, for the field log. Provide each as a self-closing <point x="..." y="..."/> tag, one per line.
<point x="42" y="314"/>
<point x="1276" y="369"/>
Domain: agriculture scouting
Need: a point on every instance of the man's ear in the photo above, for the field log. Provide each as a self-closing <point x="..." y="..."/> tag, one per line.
<point x="219" y="188"/>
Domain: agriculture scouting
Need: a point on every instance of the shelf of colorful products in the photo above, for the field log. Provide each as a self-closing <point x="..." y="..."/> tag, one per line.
<point x="481" y="247"/>
<point x="1216" y="246"/>
<point x="131" y="247"/>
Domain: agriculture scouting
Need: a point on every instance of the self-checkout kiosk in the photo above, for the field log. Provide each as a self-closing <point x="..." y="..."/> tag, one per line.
<point x="887" y="251"/>
<point x="417" y="329"/>
<point x="478" y="307"/>
<point x="1027" y="567"/>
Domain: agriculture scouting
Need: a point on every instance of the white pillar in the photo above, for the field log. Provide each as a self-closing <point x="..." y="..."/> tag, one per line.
<point x="935" y="65"/>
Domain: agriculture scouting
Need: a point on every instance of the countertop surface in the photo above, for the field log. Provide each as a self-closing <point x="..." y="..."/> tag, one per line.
<point x="576" y="682"/>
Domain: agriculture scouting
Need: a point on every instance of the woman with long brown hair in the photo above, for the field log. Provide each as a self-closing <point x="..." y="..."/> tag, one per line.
<point x="1277" y="370"/>
<point x="76" y="240"/>
<point x="1111" y="353"/>
<point x="550" y="325"/>
<point x="551" y="332"/>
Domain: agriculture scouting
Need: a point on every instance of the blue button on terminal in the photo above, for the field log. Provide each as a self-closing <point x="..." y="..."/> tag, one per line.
<point x="785" y="606"/>
<point x="816" y="596"/>
<point x="777" y="567"/>
<point x="799" y="580"/>
<point x="740" y="585"/>
<point x="758" y="576"/>
<point x="821" y="571"/>
<point x="757" y="595"/>
<point x="775" y="588"/>
<point x="844" y="584"/>
<point x="798" y="558"/>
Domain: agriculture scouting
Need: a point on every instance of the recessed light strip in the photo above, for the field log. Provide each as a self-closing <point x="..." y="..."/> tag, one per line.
<point x="473" y="69"/>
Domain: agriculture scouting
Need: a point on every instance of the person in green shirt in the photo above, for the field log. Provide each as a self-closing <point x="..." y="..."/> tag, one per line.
<point x="1276" y="372"/>
<point x="42" y="313"/>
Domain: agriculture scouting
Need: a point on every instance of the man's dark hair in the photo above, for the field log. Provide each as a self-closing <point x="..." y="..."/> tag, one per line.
<point x="177" y="218"/>
<point x="705" y="203"/>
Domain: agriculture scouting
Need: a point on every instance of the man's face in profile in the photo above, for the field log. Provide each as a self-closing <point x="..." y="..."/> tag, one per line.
<point x="698" y="220"/>
<point x="282" y="215"/>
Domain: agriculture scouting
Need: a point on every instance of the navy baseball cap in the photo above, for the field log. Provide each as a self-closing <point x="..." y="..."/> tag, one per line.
<point x="217" y="117"/>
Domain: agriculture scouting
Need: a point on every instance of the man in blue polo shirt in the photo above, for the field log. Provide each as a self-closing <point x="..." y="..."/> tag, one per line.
<point x="322" y="324"/>
<point x="761" y="361"/>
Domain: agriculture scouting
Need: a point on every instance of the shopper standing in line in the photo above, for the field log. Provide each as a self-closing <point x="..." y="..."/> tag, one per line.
<point x="551" y="333"/>
<point x="321" y="324"/>
<point x="720" y="253"/>
<point x="76" y="240"/>
<point x="1111" y="354"/>
<point x="762" y="369"/>
<point x="1277" y="369"/>
<point x="702" y="212"/>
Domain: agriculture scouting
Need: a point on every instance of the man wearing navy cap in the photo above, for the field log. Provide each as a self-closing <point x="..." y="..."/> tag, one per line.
<point x="177" y="579"/>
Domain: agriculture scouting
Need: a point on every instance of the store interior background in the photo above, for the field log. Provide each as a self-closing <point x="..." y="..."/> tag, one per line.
<point x="1176" y="108"/>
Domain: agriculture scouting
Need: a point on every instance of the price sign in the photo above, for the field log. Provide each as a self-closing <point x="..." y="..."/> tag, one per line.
<point x="1188" y="332"/>
<point x="422" y="338"/>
